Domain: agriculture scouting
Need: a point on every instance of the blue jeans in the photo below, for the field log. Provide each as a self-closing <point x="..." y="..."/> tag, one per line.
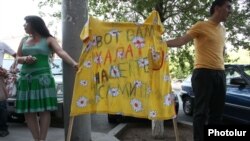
<point x="3" y="116"/>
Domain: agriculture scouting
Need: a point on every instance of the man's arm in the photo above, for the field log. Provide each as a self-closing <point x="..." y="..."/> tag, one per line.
<point x="14" y="55"/>
<point x="9" y="50"/>
<point x="177" y="42"/>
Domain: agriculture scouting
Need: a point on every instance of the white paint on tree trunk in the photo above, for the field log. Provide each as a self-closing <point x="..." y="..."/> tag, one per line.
<point x="158" y="129"/>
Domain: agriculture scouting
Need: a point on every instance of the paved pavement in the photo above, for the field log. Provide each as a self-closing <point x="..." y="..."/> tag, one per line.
<point x="20" y="132"/>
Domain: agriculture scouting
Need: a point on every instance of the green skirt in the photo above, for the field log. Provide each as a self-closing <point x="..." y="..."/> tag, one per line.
<point x="36" y="92"/>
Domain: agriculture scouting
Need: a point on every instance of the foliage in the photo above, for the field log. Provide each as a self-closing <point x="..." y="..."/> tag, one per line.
<point x="51" y="4"/>
<point x="182" y="65"/>
<point x="49" y="8"/>
<point x="177" y="16"/>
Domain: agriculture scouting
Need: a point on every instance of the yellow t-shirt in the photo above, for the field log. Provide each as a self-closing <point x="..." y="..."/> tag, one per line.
<point x="209" y="41"/>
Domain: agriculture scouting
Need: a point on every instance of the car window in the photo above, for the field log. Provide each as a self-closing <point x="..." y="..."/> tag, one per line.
<point x="234" y="77"/>
<point x="230" y="74"/>
<point x="247" y="70"/>
<point x="7" y="63"/>
<point x="56" y="66"/>
<point x="187" y="81"/>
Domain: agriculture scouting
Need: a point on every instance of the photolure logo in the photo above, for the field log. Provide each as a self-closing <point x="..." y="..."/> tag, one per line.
<point x="235" y="132"/>
<point x="239" y="132"/>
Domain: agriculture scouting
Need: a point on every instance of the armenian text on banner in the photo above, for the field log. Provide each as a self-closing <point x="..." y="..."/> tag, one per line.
<point x="123" y="69"/>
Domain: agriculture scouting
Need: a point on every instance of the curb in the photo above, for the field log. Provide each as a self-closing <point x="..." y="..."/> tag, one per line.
<point x="111" y="135"/>
<point x="185" y="123"/>
<point x="116" y="131"/>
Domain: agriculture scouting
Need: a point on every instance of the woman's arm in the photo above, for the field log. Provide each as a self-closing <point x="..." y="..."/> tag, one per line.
<point x="61" y="53"/>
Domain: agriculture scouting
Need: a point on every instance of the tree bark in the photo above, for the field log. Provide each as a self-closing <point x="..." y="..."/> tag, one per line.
<point x="158" y="129"/>
<point x="74" y="15"/>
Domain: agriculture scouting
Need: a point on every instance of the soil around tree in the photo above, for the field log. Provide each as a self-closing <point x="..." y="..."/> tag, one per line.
<point x="142" y="132"/>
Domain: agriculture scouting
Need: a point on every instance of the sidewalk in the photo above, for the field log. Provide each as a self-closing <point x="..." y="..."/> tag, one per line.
<point x="20" y="132"/>
<point x="143" y="132"/>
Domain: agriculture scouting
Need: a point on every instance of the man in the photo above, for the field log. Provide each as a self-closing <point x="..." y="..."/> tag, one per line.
<point x="208" y="79"/>
<point x="3" y="109"/>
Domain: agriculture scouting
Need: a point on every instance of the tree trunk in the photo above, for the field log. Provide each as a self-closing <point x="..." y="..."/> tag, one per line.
<point x="74" y="15"/>
<point x="158" y="129"/>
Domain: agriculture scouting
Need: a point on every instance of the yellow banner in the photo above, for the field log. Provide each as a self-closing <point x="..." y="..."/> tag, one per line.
<point x="123" y="69"/>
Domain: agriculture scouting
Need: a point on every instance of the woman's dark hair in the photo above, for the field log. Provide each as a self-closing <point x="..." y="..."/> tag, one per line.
<point x="217" y="3"/>
<point x="38" y="25"/>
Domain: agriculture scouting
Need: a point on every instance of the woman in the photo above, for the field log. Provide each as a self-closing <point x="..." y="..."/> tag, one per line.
<point x="36" y="93"/>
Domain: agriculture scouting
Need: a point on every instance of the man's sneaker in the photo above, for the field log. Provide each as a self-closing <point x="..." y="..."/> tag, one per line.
<point x="4" y="133"/>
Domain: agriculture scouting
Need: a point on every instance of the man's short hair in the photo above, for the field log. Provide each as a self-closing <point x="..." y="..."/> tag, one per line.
<point x="217" y="3"/>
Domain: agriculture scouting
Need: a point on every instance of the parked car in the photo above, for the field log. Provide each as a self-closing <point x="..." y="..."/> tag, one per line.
<point x="119" y="118"/>
<point x="237" y="102"/>
<point x="56" y="67"/>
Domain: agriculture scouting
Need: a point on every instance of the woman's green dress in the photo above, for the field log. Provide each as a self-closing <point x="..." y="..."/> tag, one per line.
<point x="36" y="91"/>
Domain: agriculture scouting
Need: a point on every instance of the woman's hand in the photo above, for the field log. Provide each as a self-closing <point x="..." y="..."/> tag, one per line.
<point x="75" y="66"/>
<point x="29" y="59"/>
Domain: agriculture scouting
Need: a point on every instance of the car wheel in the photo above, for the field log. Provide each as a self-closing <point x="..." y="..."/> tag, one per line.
<point x="114" y="118"/>
<point x="188" y="106"/>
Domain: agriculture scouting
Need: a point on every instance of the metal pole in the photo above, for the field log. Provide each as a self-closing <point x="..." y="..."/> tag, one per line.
<point x="74" y="15"/>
